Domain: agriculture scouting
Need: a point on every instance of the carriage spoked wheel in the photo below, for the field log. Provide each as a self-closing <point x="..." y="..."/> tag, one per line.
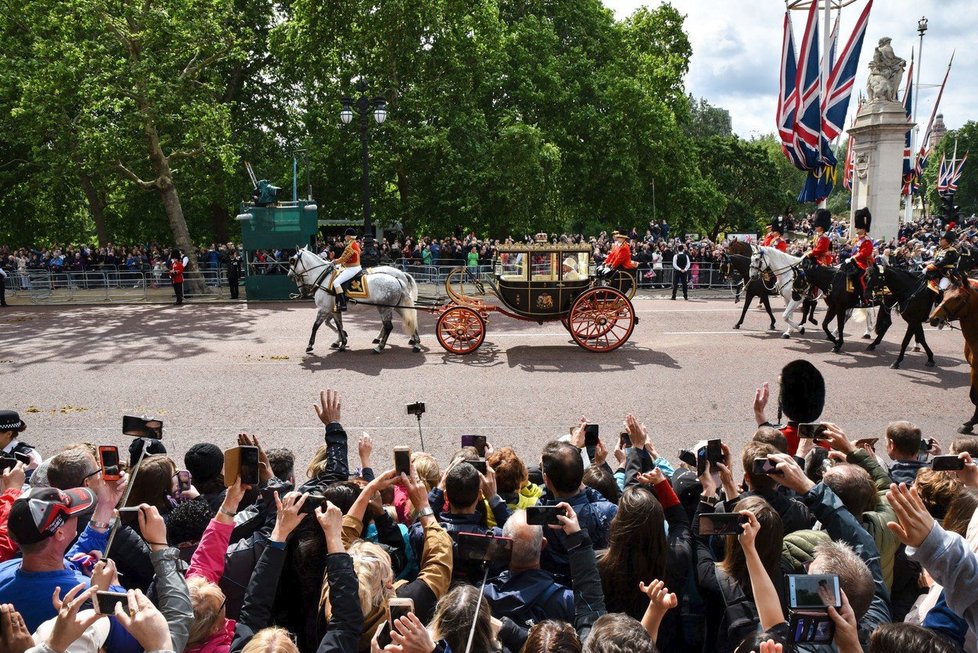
<point x="623" y="281"/>
<point x="460" y="330"/>
<point x="602" y="319"/>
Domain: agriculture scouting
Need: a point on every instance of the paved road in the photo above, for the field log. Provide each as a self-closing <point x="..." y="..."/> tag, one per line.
<point x="211" y="371"/>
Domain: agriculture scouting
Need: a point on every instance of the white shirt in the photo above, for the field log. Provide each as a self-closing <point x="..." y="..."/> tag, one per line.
<point x="35" y="456"/>
<point x="675" y="262"/>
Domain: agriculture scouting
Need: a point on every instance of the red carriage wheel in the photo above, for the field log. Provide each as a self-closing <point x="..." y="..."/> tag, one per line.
<point x="460" y="330"/>
<point x="602" y="319"/>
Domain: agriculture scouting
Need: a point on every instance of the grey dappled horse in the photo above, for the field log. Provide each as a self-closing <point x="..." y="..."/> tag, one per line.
<point x="388" y="288"/>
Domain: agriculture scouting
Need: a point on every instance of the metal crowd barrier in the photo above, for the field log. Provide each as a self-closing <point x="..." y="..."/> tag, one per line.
<point x="112" y="286"/>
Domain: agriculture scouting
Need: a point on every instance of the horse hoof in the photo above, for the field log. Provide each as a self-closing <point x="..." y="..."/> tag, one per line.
<point x="929" y="363"/>
<point x="416" y="350"/>
<point x="916" y="348"/>
<point x="837" y="349"/>
<point x="377" y="349"/>
<point x="966" y="428"/>
<point x="894" y="365"/>
<point x="866" y="336"/>
<point x="335" y="345"/>
<point x="376" y="341"/>
<point x="785" y="336"/>
<point x="308" y="350"/>
<point x="736" y="326"/>
<point x="772" y="328"/>
<point x="801" y="331"/>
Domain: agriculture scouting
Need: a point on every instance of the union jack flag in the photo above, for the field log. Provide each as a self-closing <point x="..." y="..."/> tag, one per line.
<point x="908" y="107"/>
<point x="838" y="88"/>
<point x="955" y="175"/>
<point x="788" y="96"/>
<point x="942" y="177"/>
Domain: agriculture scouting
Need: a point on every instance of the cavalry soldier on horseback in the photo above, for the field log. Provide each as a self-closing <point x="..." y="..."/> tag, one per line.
<point x="944" y="267"/>
<point x="821" y="252"/>
<point x="862" y="252"/>
<point x="350" y="260"/>
<point x="773" y="237"/>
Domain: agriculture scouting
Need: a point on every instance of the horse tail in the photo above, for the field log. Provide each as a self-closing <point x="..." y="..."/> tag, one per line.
<point x="409" y="314"/>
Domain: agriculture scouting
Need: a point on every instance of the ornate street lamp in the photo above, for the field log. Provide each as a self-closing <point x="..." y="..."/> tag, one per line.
<point x="363" y="107"/>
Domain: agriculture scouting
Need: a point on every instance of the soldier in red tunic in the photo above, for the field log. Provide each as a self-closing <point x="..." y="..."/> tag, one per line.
<point x="821" y="252"/>
<point x="863" y="250"/>
<point x="773" y="237"/>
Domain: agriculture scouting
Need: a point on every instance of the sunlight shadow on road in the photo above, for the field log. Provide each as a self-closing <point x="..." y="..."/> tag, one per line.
<point x="571" y="358"/>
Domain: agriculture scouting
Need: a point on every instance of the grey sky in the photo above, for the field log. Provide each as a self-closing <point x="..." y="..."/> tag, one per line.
<point x="737" y="51"/>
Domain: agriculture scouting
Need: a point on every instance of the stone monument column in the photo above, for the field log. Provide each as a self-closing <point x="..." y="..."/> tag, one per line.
<point x="879" y="136"/>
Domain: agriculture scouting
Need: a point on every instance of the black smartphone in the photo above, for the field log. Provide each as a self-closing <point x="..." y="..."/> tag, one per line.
<point x="106" y="601"/>
<point x="402" y="460"/>
<point x="590" y="435"/>
<point x="477" y="441"/>
<point x="132" y="510"/>
<point x="416" y="408"/>
<point x="7" y="462"/>
<point x="479" y="464"/>
<point x="543" y="515"/>
<point x="813" y="591"/>
<point x="248" y="469"/>
<point x="811" y="627"/>
<point x="811" y="430"/>
<point x="184" y="480"/>
<point x="764" y="466"/>
<point x="949" y="463"/>
<point x="23" y="457"/>
<point x="720" y="523"/>
<point x="496" y="550"/>
<point x="625" y="441"/>
<point x="701" y="461"/>
<point x="714" y="452"/>
<point x="312" y="502"/>
<point x="689" y="458"/>
<point x="109" y="458"/>
<point x="142" y="427"/>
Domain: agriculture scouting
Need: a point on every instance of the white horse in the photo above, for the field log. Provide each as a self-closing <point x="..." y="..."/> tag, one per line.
<point x="784" y="267"/>
<point x="389" y="289"/>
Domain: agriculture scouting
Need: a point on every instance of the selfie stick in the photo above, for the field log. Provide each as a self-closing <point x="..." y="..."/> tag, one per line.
<point x="118" y="521"/>
<point x="420" y="434"/>
<point x="485" y="577"/>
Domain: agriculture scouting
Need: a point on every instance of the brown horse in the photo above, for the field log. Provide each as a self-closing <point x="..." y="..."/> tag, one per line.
<point x="961" y="304"/>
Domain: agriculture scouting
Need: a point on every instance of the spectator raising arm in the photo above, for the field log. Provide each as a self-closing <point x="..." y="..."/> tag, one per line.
<point x="346" y="620"/>
<point x="173" y="596"/>
<point x="765" y="594"/>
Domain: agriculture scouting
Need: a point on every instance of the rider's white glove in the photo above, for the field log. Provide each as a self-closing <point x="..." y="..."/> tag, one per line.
<point x="849" y="260"/>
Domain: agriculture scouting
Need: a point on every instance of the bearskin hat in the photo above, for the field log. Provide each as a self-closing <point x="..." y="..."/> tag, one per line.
<point x="777" y="224"/>
<point x="823" y="219"/>
<point x="350" y="231"/>
<point x="802" y="394"/>
<point x="950" y="236"/>
<point x="862" y="219"/>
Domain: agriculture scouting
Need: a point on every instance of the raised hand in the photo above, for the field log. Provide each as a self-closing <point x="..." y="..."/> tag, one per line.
<point x="568" y="519"/>
<point x="328" y="408"/>
<point x="14" y="635"/>
<point x="288" y="515"/>
<point x="144" y="622"/>
<point x="69" y="625"/>
<point x="636" y="431"/>
<point x="915" y="523"/>
<point x="751" y="528"/>
<point x="14" y="477"/>
<point x="760" y="403"/>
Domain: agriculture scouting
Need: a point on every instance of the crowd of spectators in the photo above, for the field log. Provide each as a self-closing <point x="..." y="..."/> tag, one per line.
<point x="448" y="555"/>
<point x="652" y="248"/>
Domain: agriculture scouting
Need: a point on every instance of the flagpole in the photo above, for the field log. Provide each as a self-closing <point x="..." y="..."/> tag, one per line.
<point x="908" y="209"/>
<point x="824" y="73"/>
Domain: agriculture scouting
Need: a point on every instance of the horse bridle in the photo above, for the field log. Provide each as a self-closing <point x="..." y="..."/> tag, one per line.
<point x="777" y="288"/>
<point x="306" y="289"/>
<point x="948" y="316"/>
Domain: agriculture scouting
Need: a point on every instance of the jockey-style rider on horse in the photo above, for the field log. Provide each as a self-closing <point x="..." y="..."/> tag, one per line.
<point x="350" y="260"/>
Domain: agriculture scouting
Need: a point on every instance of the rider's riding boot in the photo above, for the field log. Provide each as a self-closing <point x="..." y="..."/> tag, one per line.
<point x="341" y="302"/>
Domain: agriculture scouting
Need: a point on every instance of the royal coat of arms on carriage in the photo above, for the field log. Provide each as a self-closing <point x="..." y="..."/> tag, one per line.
<point x="545" y="301"/>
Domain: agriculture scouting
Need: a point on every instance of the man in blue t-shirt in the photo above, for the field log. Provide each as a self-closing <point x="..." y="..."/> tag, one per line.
<point x="44" y="523"/>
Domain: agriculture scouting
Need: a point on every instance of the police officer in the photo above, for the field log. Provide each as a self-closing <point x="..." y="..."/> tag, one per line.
<point x="10" y="426"/>
<point x="233" y="270"/>
<point x="945" y="263"/>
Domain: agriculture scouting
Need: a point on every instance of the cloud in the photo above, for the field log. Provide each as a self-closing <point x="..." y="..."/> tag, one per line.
<point x="737" y="51"/>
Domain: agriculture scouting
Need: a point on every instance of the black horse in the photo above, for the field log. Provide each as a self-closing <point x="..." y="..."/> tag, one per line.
<point x="752" y="286"/>
<point x="839" y="300"/>
<point x="908" y="292"/>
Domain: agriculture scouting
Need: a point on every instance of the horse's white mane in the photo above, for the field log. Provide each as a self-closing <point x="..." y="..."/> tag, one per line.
<point x="778" y="256"/>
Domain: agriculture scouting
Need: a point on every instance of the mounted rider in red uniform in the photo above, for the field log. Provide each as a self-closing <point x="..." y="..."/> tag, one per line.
<point x="821" y="251"/>
<point x="773" y="237"/>
<point x="350" y="260"/>
<point x="863" y="251"/>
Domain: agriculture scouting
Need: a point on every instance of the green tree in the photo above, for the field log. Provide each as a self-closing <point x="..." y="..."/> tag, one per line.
<point x="707" y="120"/>
<point x="966" y="197"/>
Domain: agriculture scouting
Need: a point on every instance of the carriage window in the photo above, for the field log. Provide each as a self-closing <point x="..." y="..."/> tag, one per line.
<point x="511" y="266"/>
<point x="579" y="269"/>
<point x="542" y="265"/>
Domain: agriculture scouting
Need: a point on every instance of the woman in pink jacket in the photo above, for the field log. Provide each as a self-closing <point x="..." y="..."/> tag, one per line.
<point x="212" y="631"/>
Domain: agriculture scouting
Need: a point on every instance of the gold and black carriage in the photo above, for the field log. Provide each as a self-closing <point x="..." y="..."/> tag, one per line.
<point x="539" y="283"/>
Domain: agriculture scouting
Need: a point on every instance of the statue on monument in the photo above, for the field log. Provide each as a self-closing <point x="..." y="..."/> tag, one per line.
<point x="885" y="73"/>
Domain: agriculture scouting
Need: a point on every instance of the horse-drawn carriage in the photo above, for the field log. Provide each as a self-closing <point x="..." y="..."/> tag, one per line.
<point x="540" y="283"/>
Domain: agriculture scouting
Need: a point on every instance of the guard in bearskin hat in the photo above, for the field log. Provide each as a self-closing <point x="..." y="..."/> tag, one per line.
<point x="801" y="398"/>
<point x="821" y="251"/>
<point x="862" y="252"/>
<point x="350" y="260"/>
<point x="941" y="272"/>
